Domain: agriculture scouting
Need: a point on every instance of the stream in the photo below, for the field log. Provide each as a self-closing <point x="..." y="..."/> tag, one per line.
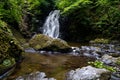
<point x="56" y="64"/>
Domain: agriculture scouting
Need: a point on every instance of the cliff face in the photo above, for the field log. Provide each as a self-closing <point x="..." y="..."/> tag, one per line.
<point x="10" y="51"/>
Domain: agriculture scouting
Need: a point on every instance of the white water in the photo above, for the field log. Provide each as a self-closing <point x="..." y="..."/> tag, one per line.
<point x="51" y="25"/>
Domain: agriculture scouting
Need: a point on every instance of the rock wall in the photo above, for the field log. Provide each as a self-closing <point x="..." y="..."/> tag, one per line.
<point x="10" y="51"/>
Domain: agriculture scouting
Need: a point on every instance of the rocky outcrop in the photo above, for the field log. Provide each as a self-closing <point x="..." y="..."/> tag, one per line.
<point x="35" y="76"/>
<point x="10" y="51"/>
<point x="88" y="73"/>
<point x="40" y="41"/>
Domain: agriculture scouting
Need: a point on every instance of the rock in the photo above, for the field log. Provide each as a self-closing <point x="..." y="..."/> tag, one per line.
<point x="30" y="50"/>
<point x="41" y="42"/>
<point x="88" y="73"/>
<point x="100" y="41"/>
<point x="75" y="51"/>
<point x="10" y="50"/>
<point x="109" y="60"/>
<point x="35" y="76"/>
<point x="115" y="76"/>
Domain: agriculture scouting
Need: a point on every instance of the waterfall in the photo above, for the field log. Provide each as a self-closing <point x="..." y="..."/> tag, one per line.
<point x="51" y="25"/>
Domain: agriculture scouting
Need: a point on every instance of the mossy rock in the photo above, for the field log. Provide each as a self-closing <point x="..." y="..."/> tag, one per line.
<point x="9" y="49"/>
<point x="7" y="63"/>
<point x="100" y="41"/>
<point x="118" y="61"/>
<point x="41" y="41"/>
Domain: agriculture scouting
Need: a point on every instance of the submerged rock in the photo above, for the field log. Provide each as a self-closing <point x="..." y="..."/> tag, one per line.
<point x="35" y="76"/>
<point x="43" y="42"/>
<point x="88" y="73"/>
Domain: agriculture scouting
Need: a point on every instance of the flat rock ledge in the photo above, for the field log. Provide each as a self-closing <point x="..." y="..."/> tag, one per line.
<point x="88" y="73"/>
<point x="35" y="76"/>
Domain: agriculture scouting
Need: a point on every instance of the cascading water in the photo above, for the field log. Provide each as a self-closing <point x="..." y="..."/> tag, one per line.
<point x="51" y="25"/>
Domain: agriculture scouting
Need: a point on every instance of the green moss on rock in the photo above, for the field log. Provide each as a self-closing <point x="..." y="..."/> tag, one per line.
<point x="10" y="51"/>
<point x="100" y="41"/>
<point x="41" y="41"/>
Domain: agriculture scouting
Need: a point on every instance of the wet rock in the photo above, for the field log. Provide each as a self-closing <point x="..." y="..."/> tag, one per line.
<point x="88" y="73"/>
<point x="114" y="42"/>
<point x="116" y="54"/>
<point x="43" y="42"/>
<point x="75" y="51"/>
<point x="109" y="60"/>
<point x="30" y="50"/>
<point x="115" y="76"/>
<point x="35" y="76"/>
<point x="91" y="51"/>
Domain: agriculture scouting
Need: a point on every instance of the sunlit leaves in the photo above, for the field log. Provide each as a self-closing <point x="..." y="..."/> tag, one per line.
<point x="69" y="6"/>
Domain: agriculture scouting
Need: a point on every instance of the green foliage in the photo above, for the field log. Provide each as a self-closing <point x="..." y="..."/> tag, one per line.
<point x="87" y="18"/>
<point x="21" y="14"/>
<point x="101" y="17"/>
<point x="8" y="44"/>
<point x="69" y="6"/>
<point x="8" y="62"/>
<point x="3" y="26"/>
<point x="10" y="11"/>
<point x="99" y="64"/>
<point x="33" y="5"/>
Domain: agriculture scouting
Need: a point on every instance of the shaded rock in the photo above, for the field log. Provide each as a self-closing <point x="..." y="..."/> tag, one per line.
<point x="35" y="76"/>
<point x="88" y="73"/>
<point x="41" y="42"/>
<point x="115" y="76"/>
<point x="30" y="50"/>
<point x="10" y="50"/>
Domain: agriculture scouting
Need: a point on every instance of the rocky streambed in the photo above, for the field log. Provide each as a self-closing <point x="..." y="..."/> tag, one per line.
<point x="54" y="59"/>
<point x="69" y="66"/>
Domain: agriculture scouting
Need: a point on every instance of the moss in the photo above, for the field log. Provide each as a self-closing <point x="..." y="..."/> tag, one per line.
<point x="41" y="41"/>
<point x="118" y="61"/>
<point x="7" y="63"/>
<point x="10" y="51"/>
<point x="100" y="41"/>
<point x="99" y="64"/>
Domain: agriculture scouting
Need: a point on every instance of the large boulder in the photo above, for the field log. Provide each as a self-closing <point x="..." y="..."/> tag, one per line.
<point x="88" y="73"/>
<point x="10" y="51"/>
<point x="40" y="42"/>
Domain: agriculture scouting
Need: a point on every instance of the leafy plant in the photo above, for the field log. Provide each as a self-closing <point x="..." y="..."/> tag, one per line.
<point x="99" y="64"/>
<point x="9" y="62"/>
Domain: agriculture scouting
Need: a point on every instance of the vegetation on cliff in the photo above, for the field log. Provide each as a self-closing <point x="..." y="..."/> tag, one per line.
<point x="10" y="51"/>
<point x="82" y="20"/>
<point x="89" y="19"/>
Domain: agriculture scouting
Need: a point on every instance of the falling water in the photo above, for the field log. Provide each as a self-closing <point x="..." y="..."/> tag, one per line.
<point x="51" y="25"/>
